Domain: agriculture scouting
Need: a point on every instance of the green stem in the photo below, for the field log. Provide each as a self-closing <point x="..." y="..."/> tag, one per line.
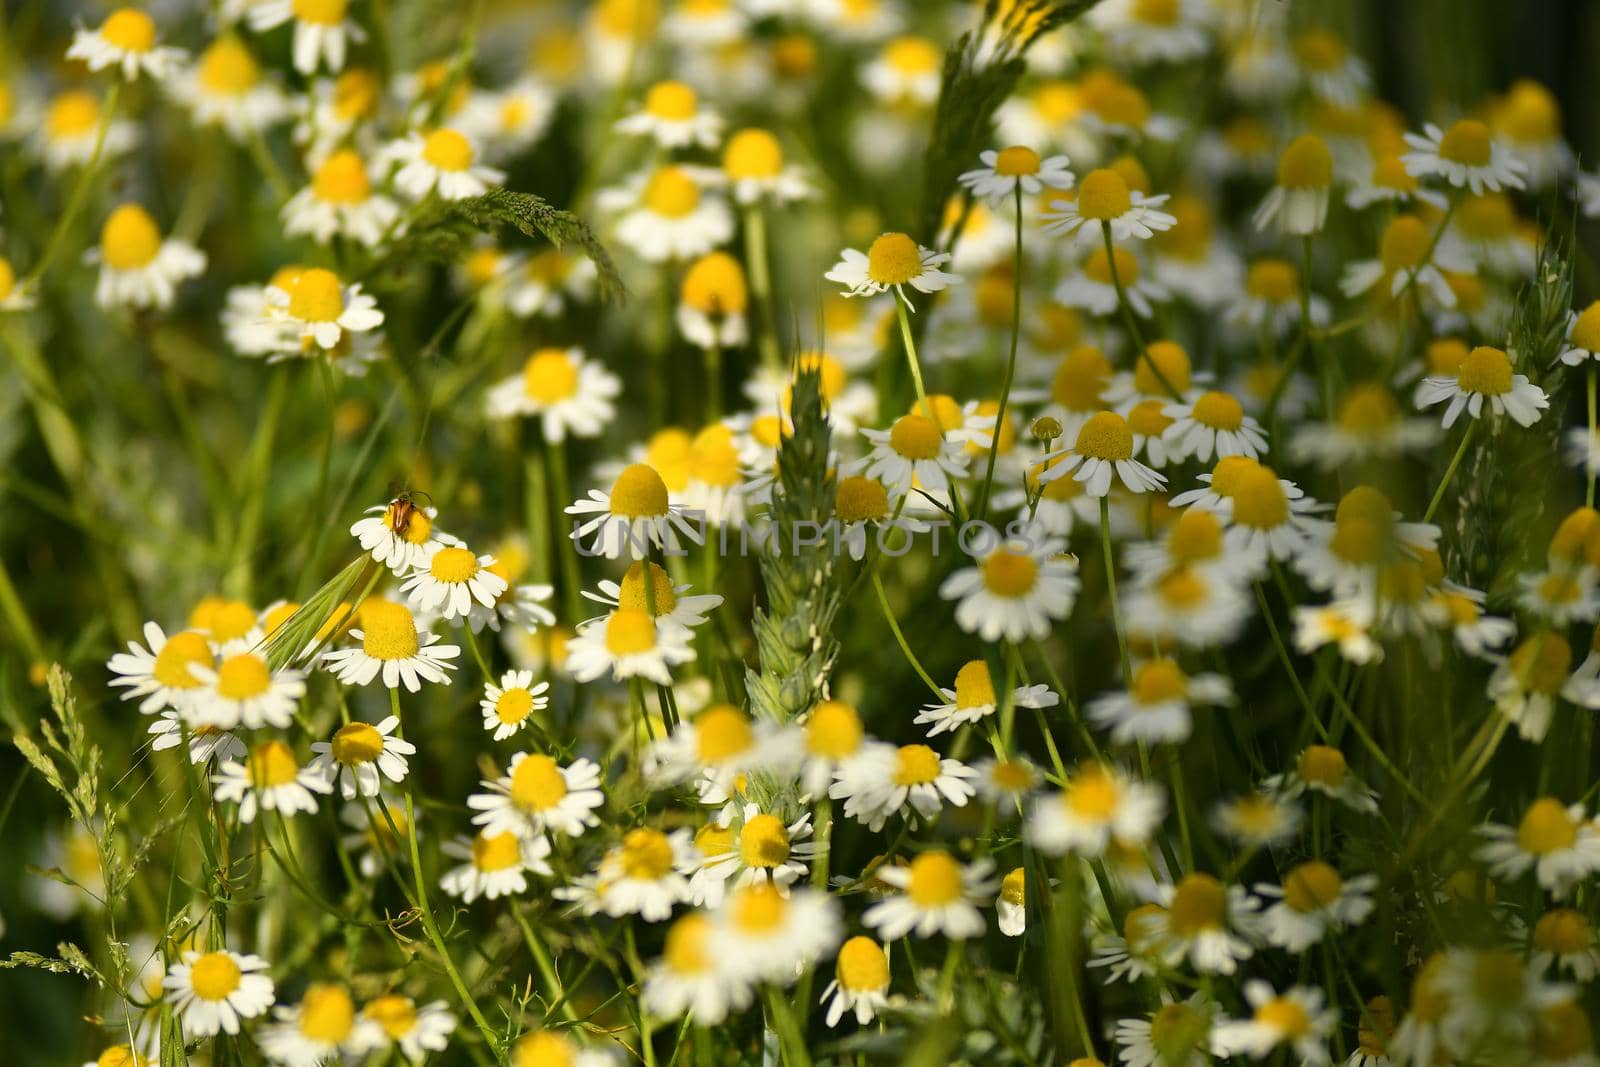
<point x="1111" y="589"/>
<point x="755" y="255"/>
<point x="1450" y="471"/>
<point x="1128" y="319"/>
<point x="910" y="346"/>
<point x="981" y="509"/>
<point x="900" y="639"/>
<point x="79" y="192"/>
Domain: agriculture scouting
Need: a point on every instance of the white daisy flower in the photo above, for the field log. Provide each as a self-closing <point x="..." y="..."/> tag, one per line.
<point x="568" y="392"/>
<point x="1370" y="424"/>
<point x="691" y="977"/>
<point x="451" y="579"/>
<point x="1098" y="804"/>
<point x="497" y="864"/>
<point x="1346" y="624"/>
<point x="399" y="534"/>
<point x="1257" y="820"/>
<point x="537" y="795"/>
<point x="904" y="72"/>
<point x="1485" y="375"/>
<point x="670" y="213"/>
<point x="1466" y="156"/>
<point x="1559" y="595"/>
<point x="754" y="167"/>
<point x="1104" y="200"/>
<point x="1476" y="633"/>
<point x="1331" y="71"/>
<point x="242" y="690"/>
<point x="206" y="743"/>
<point x="1213" y="423"/>
<point x="510" y="120"/>
<point x="270" y="778"/>
<point x="395" y="643"/>
<point x="319" y="1029"/>
<point x="771" y="937"/>
<point x="1525" y="685"/>
<point x="360" y="756"/>
<point x="157" y="673"/>
<point x="226" y="87"/>
<point x="445" y="162"/>
<point x="126" y="40"/>
<point x="712" y="301"/>
<point x="138" y="267"/>
<point x="1267" y="517"/>
<point x="214" y="991"/>
<point x="395" y="1020"/>
<point x="72" y="128"/>
<point x="1142" y="32"/>
<point x="912" y="454"/>
<point x="1556" y="841"/>
<point x="1178" y="1034"/>
<point x="637" y="877"/>
<point x="628" y="643"/>
<point x="1205" y="923"/>
<point x="832" y="734"/>
<point x="1103" y="448"/>
<point x="509" y="706"/>
<point x="1157" y="705"/>
<point x="938" y="895"/>
<point x="673" y="116"/>
<point x="860" y="982"/>
<point x="1014" y="589"/>
<point x="1322" y="769"/>
<point x="665" y="600"/>
<point x="381" y="831"/>
<point x="636" y="514"/>
<point x="761" y="848"/>
<point x="973" y="699"/>
<point x="319" y="308"/>
<point x="1583" y="336"/>
<point x="340" y="202"/>
<point x="1407" y="256"/>
<point x="1313" y="901"/>
<point x="1390" y="183"/>
<point x="1191" y="605"/>
<point x="1298" y="202"/>
<point x="1564" y="939"/>
<point x="1093" y="289"/>
<point x="894" y="261"/>
<point x="1296" y="1020"/>
<point x="881" y="780"/>
<point x="322" y="32"/>
<point x="1017" y="167"/>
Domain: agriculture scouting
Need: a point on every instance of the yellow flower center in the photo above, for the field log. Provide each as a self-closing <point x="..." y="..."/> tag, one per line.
<point x="129" y="29"/>
<point x="1306" y="164"/>
<point x="497" y="852"/>
<point x="1360" y="541"/>
<point x="327" y="1013"/>
<point x="214" y="976"/>
<point x="759" y="909"/>
<point x="638" y="493"/>
<point x="721" y="732"/>
<point x="1273" y="280"/>
<point x="1123" y="105"/>
<point x="1466" y="142"/>
<point x="1092" y="794"/>
<point x="671" y="192"/>
<point x="388" y="630"/>
<point x="1485" y="370"/>
<point x="915" y="437"/>
<point x="1156" y="12"/>
<point x="1009" y="574"/>
<point x="1487" y="217"/>
<point x="1390" y="173"/>
<point x="453" y="565"/>
<point x="1562" y="931"/>
<point x="862" y="966"/>
<point x="1182" y="587"/>
<point x="630" y="633"/>
<point x="1322" y="765"/>
<point x="320" y="12"/>
<point x="129" y="240"/>
<point x="1312" y="887"/>
<point x="537" y="783"/>
<point x="1104" y="195"/>
<point x="1198" y="904"/>
<point x="893" y="259"/>
<point x="1546" y="827"/>
<point x="342" y="179"/>
<point x="173" y="661"/>
<point x="544" y="1048"/>
<point x="1286" y="1016"/>
<point x="1159" y="680"/>
<point x="272" y="763"/>
<point x="1368" y="409"/>
<point x="713" y="458"/>
<point x="1105" y="435"/>
<point x="764" y="842"/>
<point x="1195" y="536"/>
<point x="635" y="596"/>
<point x="935" y="880"/>
<point x="243" y="676"/>
<point x="915" y="765"/>
<point x="752" y="153"/>
<point x="120" y="1056"/>
<point x="1014" y="776"/>
<point x="513" y="706"/>
<point x="1016" y="161"/>
<point x="356" y="743"/>
<point x="912" y="55"/>
<point x="715" y="285"/>
<point x="1320" y="50"/>
<point x="397" y="1015"/>
<point x="550" y="376"/>
<point x="447" y="149"/>
<point x="858" y="498"/>
<point x="672" y="101"/>
<point x="1586" y="330"/>
<point x="834" y="730"/>
<point x="687" y="949"/>
<point x="1169" y="357"/>
<point x="72" y="114"/>
<point x="1013" y="887"/>
<point x="8" y="278"/>
<point x="1563" y="1034"/>
<point x="1259" y="500"/>
<point x="1218" y="411"/>
<point x="228" y="69"/>
<point x="974" y="686"/>
<point x="317" y="296"/>
<point x="646" y="854"/>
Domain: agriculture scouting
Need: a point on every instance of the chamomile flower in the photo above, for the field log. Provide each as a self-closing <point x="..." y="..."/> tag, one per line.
<point x="893" y="261"/>
<point x="497" y="864"/>
<point x="1390" y="183"/>
<point x="1097" y="805"/>
<point x="395" y="1020"/>
<point x="1298" y="202"/>
<point x="1322" y="769"/>
<point x="1554" y="840"/>
<point x="318" y="309"/>
<point x="71" y="131"/>
<point x="768" y="936"/>
<point x="444" y="162"/>
<point x="1157" y="705"/>
<point x="316" y="1030"/>
<point x="242" y="690"/>
<point x="206" y="743"/>
<point x="271" y="779"/>
<point x="1466" y="156"/>
<point x="394" y="643"/>
<point x="1105" y="201"/>
<point x="1563" y="937"/>
<point x="635" y="515"/>
<point x="360" y="756"/>
<point x="1213" y="423"/>
<point x="673" y="116"/>
<point x="1008" y="170"/>
<point x="1094" y="288"/>
<point x="1103" y="448"/>
<point x="322" y="30"/>
<point x="1330" y="69"/>
<point x="1369" y="424"/>
<point x="226" y="87"/>
<point x="214" y="991"/>
<point x="450" y="579"/>
<point x="1407" y="257"/>
<point x="860" y="982"/>
<point x="125" y="40"/>
<point x="1257" y="820"/>
<point x="881" y="780"/>
<point x="1190" y="605"/>
<point x="1583" y="337"/>
<point x="1345" y="624"/>
<point x="1484" y="375"/>
<point x="376" y="842"/>
<point x="904" y="73"/>
<point x="938" y="894"/>
<point x="754" y="168"/>
<point x="712" y="302"/>
<point x="119" y="1056"/>
<point x="1296" y="1020"/>
<point x="1013" y="590"/>
<point x="691" y="977"/>
<point x="670" y="213"/>
<point x="1559" y="595"/>
<point x="1476" y="633"/>
<point x="340" y="202"/>
<point x="537" y="795"/>
<point x="1178" y="1034"/>
<point x="628" y="643"/>
<point x="1206" y="923"/>
<point x="138" y="267"/>
<point x="157" y="673"/>
<point x="571" y="394"/>
<point x="1313" y="901"/>
<point x="973" y="699"/>
<point x="761" y="849"/>
<point x="1141" y="31"/>
<point x="663" y="600"/>
<point x="508" y="707"/>
<point x="549" y="281"/>
<point x="640" y="876"/>
<point x="832" y="734"/>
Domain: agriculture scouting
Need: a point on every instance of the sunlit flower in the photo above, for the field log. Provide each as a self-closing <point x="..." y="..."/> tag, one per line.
<point x="138" y="267"/>
<point x="973" y="699"/>
<point x="1099" y="804"/>
<point x="1466" y="156"/>
<point x="322" y="32"/>
<point x="360" y="756"/>
<point x="214" y="991"/>
<point x="937" y="895"/>
<point x="497" y="864"/>
<point x="1104" y="200"/>
<point x="396" y="644"/>
<point x="1013" y="590"/>
<point x="673" y="116"/>
<point x="894" y="261"/>
<point x="126" y="40"/>
<point x="537" y="795"/>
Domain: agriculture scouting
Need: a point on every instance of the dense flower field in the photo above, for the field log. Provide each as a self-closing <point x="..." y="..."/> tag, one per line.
<point x="798" y="532"/>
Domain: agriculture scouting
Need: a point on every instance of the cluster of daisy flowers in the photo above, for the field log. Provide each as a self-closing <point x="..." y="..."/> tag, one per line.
<point x="1189" y="654"/>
